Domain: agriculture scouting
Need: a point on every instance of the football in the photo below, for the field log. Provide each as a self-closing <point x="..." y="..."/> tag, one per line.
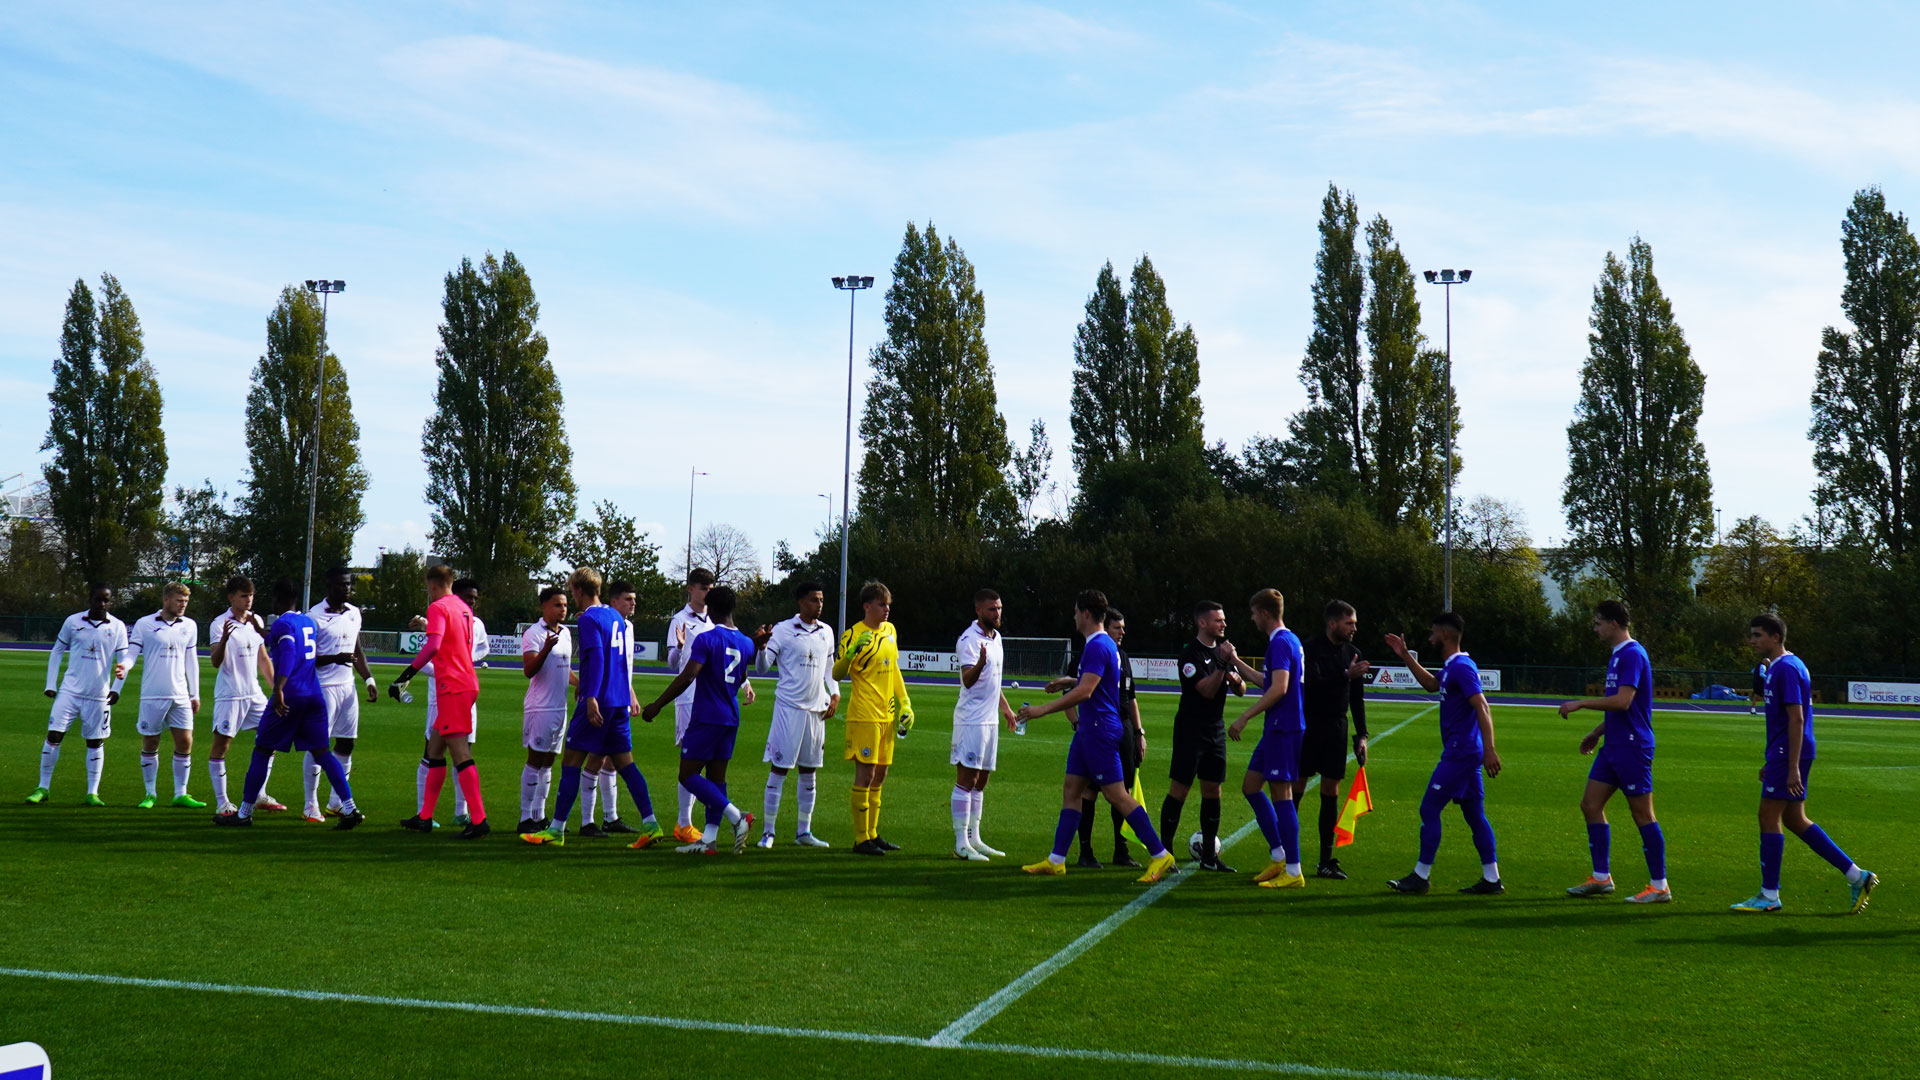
<point x="1195" y="849"/>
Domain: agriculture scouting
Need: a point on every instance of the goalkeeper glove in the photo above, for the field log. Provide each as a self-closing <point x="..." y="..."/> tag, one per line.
<point x="904" y="724"/>
<point x="860" y="643"/>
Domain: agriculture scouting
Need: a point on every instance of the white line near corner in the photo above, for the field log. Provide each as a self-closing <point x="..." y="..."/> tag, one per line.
<point x="870" y="1038"/>
<point x="954" y="1033"/>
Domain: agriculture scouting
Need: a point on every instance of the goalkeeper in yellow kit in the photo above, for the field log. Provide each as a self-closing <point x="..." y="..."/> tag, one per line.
<point x="878" y="711"/>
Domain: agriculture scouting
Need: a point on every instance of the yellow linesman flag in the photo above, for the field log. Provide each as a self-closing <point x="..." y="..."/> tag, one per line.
<point x="1139" y="796"/>
<point x="1359" y="801"/>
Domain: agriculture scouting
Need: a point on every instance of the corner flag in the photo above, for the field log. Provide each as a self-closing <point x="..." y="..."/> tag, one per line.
<point x="1139" y="795"/>
<point x="1359" y="801"/>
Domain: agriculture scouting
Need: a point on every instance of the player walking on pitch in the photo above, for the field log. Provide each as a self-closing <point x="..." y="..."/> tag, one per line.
<point x="339" y="660"/>
<point x="1332" y="686"/>
<point x="240" y="661"/>
<point x="1207" y="675"/>
<point x="1093" y="757"/>
<point x="597" y="789"/>
<point x="804" y="699"/>
<point x="95" y="645"/>
<point x="450" y="643"/>
<point x="683" y="630"/>
<point x="1133" y="747"/>
<point x="878" y="710"/>
<point x="1624" y="761"/>
<point x="977" y="714"/>
<point x="1783" y="776"/>
<point x="546" y="658"/>
<point x="297" y="718"/>
<point x="169" y="690"/>
<point x="603" y="701"/>
<point x="716" y="667"/>
<point x="1274" y="768"/>
<point x="1466" y="748"/>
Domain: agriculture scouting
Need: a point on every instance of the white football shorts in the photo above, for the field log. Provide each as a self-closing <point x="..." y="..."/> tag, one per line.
<point x="94" y="714"/>
<point x="231" y="716"/>
<point x="158" y="716"/>
<point x="343" y="710"/>
<point x="798" y="738"/>
<point x="544" y="730"/>
<point x="977" y="746"/>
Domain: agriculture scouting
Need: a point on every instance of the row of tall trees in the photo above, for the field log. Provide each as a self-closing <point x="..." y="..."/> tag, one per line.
<point x="499" y="464"/>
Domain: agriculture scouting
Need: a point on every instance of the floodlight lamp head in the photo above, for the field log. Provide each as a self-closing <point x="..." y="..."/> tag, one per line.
<point x="1446" y="276"/>
<point x="839" y="283"/>
<point x="1431" y="276"/>
<point x="867" y="282"/>
<point x="312" y="285"/>
<point x="1465" y="275"/>
<point x="339" y="286"/>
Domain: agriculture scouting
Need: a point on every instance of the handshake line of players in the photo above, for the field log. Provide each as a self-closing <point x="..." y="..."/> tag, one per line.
<point x="1308" y="693"/>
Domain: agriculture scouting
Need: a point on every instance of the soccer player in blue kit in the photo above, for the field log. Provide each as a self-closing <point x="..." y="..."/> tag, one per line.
<point x="1466" y="748"/>
<point x="1275" y="764"/>
<point x="297" y="717"/>
<point x="1783" y="776"/>
<point x="1093" y="758"/>
<point x="600" y="725"/>
<point x="716" y="668"/>
<point x="1624" y="761"/>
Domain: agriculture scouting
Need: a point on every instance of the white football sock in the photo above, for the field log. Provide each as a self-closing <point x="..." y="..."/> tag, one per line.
<point x="961" y="806"/>
<point x="1423" y="870"/>
<point x="310" y="780"/>
<point x="96" y="761"/>
<point x="217" y="777"/>
<point x="589" y="797"/>
<point x="1854" y="873"/>
<point x="264" y="777"/>
<point x="1490" y="871"/>
<point x="149" y="771"/>
<point x="420" y="786"/>
<point x="686" y="807"/>
<point x="770" y="806"/>
<point x="1293" y="868"/>
<point x="1660" y="884"/>
<point x="182" y="768"/>
<point x="807" y="792"/>
<point x="609" y="794"/>
<point x="540" y="794"/>
<point x="346" y="773"/>
<point x="49" y="757"/>
<point x="711" y="833"/>
<point x="976" y="809"/>
<point x="529" y="785"/>
<point x="733" y="815"/>
<point x="1770" y="894"/>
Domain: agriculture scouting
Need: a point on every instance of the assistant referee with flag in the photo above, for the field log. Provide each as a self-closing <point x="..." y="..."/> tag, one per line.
<point x="1331" y="684"/>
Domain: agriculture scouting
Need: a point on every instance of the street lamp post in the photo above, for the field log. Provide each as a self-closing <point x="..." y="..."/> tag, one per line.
<point x="692" y="474"/>
<point x="325" y="289"/>
<point x="852" y="284"/>
<point x="1449" y="278"/>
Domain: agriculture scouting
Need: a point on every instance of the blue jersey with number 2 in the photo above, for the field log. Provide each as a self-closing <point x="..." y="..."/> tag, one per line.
<point x="724" y="655"/>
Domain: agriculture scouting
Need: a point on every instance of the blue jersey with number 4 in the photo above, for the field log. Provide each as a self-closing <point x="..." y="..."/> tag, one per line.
<point x="724" y="655"/>
<point x="603" y="658"/>
<point x="292" y="640"/>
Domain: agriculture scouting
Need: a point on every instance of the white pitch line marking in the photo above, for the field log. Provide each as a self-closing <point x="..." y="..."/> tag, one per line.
<point x="994" y="1005"/>
<point x="871" y="1038"/>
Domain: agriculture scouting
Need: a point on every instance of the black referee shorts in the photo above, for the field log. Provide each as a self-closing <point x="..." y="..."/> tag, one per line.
<point x="1198" y="752"/>
<point x="1324" y="752"/>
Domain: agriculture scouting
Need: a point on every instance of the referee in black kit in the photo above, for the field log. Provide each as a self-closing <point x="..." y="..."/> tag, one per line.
<point x="1332" y="683"/>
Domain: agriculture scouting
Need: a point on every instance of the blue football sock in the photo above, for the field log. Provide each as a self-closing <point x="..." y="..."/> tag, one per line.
<point x="1655" y="844"/>
<point x="1773" y="847"/>
<point x="1599" y="840"/>
<point x="1064" y="832"/>
<point x="1288" y="824"/>
<point x="1430" y="806"/>
<point x="1823" y="846"/>
<point x="709" y="794"/>
<point x="637" y="785"/>
<point x="569" y="794"/>
<point x="336" y="776"/>
<point x="1143" y="829"/>
<point x="1268" y="817"/>
<point x="256" y="779"/>
<point x="1475" y="811"/>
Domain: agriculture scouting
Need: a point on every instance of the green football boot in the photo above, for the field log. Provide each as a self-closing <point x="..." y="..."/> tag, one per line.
<point x="93" y="799"/>
<point x="39" y="796"/>
<point x="188" y="801"/>
<point x="144" y="804"/>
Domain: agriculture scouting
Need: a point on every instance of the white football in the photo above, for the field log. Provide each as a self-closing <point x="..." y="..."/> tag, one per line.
<point x="1195" y="849"/>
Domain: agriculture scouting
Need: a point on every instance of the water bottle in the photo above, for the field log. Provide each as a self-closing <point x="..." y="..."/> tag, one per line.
<point x="1020" y="726"/>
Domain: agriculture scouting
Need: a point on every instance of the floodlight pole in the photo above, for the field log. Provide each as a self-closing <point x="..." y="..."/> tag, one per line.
<point x="851" y="284"/>
<point x="325" y="289"/>
<point x="1449" y="279"/>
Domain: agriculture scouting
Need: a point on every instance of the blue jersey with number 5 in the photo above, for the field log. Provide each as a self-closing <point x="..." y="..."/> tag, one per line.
<point x="291" y="642"/>
<point x="724" y="655"/>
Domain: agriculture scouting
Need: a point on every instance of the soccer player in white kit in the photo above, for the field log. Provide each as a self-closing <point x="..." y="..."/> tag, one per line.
<point x="95" y="645"/>
<point x="169" y="690"/>
<point x="546" y="658"/>
<point x="240" y="661"/>
<point x="804" y="698"/>
<point x="688" y="623"/>
<point x="468" y="590"/>
<point x="339" y="659"/>
<point x="976" y="723"/>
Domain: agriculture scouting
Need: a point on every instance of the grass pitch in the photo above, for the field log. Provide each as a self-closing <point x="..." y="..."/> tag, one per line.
<point x="1342" y="976"/>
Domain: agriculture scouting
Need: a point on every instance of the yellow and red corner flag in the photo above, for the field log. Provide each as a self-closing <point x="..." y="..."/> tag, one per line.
<point x="1359" y="801"/>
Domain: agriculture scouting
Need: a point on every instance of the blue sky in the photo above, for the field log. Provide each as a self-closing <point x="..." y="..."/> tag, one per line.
<point x="682" y="181"/>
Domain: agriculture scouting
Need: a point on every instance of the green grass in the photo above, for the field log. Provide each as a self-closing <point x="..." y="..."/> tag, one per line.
<point x="1340" y="975"/>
